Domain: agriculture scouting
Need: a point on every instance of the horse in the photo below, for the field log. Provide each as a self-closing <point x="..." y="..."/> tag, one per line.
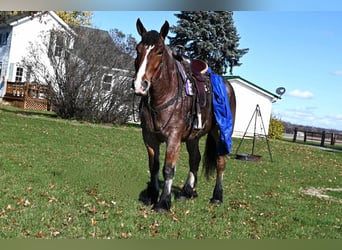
<point x="167" y="115"/>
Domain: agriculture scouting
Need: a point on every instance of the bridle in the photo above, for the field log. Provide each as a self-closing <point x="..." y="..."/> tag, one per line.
<point x="154" y="111"/>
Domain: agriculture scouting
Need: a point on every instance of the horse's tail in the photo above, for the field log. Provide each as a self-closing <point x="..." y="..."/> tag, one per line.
<point x="210" y="155"/>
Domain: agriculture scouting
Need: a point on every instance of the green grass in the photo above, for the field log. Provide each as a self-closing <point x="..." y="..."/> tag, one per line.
<point x="65" y="179"/>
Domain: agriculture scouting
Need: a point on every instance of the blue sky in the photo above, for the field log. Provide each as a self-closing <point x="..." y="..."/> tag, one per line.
<point x="298" y="50"/>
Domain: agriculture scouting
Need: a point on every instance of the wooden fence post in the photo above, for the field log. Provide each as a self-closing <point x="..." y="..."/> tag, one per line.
<point x="323" y="138"/>
<point x="332" y="139"/>
<point x="305" y="136"/>
<point x="295" y="135"/>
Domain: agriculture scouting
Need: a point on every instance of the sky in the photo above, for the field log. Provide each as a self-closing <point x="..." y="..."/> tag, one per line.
<point x="299" y="50"/>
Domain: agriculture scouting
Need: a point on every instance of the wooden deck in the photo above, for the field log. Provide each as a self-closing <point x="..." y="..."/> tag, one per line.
<point x="27" y="95"/>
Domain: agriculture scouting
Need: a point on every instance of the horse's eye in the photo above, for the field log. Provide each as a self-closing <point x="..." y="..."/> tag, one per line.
<point x="159" y="53"/>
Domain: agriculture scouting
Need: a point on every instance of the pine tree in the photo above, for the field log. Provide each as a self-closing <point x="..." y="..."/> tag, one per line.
<point x="210" y="36"/>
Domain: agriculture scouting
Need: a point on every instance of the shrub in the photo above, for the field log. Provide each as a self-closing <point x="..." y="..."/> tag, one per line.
<point x="276" y="128"/>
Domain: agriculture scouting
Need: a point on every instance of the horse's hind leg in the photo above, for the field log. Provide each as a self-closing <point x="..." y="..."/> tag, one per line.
<point x="188" y="190"/>
<point x="218" y="190"/>
<point x="214" y="161"/>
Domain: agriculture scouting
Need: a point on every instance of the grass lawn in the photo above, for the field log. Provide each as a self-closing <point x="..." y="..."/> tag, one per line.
<point x="66" y="179"/>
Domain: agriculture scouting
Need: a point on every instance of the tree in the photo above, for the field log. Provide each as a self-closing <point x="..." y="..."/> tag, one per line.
<point x="210" y="36"/>
<point x="85" y="74"/>
<point x="70" y="17"/>
<point x="76" y="17"/>
<point x="126" y="43"/>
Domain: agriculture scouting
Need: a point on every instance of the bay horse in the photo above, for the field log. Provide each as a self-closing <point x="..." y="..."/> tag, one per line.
<point x="167" y="116"/>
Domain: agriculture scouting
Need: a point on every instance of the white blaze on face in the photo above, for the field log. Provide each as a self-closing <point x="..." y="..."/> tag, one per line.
<point x="138" y="86"/>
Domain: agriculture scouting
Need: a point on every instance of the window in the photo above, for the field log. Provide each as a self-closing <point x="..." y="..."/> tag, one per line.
<point x="107" y="79"/>
<point x="19" y="74"/>
<point x="3" y="37"/>
<point x="59" y="46"/>
<point x="107" y="82"/>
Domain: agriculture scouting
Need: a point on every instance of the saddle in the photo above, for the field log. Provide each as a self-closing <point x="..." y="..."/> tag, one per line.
<point x="196" y="68"/>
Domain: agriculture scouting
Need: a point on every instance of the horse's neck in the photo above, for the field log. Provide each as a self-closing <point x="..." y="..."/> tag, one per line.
<point x="166" y="86"/>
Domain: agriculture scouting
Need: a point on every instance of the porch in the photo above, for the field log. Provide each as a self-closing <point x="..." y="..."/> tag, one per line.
<point x="27" y="95"/>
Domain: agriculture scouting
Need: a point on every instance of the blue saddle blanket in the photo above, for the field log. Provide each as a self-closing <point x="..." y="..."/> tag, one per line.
<point x="222" y="113"/>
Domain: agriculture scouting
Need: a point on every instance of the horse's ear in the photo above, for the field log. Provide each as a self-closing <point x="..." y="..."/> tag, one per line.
<point x="140" y="27"/>
<point x="164" y="29"/>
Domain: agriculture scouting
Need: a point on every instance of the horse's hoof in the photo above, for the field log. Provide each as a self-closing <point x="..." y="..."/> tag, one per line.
<point x="159" y="209"/>
<point x="215" y="201"/>
<point x="186" y="194"/>
<point x="162" y="207"/>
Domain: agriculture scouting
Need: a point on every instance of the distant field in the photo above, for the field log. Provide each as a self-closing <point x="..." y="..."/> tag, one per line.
<point x="66" y="179"/>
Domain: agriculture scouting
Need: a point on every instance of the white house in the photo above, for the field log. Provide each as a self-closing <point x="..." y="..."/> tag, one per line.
<point x="248" y="96"/>
<point x="43" y="38"/>
<point x="16" y="35"/>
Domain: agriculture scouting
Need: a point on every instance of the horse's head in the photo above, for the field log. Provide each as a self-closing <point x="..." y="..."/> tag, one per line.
<point x="149" y="57"/>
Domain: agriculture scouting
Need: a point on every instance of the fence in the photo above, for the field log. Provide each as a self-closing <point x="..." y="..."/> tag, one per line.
<point x="320" y="137"/>
<point x="27" y="95"/>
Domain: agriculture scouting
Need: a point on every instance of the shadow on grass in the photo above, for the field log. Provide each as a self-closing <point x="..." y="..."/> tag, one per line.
<point x="145" y="199"/>
<point x="48" y="114"/>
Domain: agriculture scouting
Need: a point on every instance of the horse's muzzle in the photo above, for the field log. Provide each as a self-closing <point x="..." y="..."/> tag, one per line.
<point x="142" y="87"/>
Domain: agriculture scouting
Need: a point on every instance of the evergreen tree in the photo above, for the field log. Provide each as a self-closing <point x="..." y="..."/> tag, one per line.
<point x="210" y="36"/>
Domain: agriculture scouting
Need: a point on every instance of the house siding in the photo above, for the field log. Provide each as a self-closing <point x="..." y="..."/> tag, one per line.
<point x="22" y="33"/>
<point x="248" y="96"/>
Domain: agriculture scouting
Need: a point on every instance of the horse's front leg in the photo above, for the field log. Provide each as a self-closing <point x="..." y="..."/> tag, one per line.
<point x="152" y="147"/>
<point x="171" y="155"/>
<point x="188" y="190"/>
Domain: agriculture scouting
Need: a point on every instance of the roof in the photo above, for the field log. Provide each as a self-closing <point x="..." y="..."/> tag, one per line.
<point x="8" y="17"/>
<point x="104" y="42"/>
<point x="253" y="85"/>
<point x="13" y="18"/>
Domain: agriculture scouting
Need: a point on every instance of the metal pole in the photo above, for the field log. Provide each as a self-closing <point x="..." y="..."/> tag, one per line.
<point x="255" y="123"/>
<point x="268" y="145"/>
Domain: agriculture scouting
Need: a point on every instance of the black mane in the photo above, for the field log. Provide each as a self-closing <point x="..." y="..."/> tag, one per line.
<point x="150" y="38"/>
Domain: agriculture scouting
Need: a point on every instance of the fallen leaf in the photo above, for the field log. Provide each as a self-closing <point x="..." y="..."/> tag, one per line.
<point x="52" y="199"/>
<point x="126" y="235"/>
<point x="101" y="203"/>
<point x="92" y="210"/>
<point x="93" y="222"/>
<point x="20" y="202"/>
<point x="174" y="218"/>
<point x="55" y="233"/>
<point x="27" y="203"/>
<point x="40" y="234"/>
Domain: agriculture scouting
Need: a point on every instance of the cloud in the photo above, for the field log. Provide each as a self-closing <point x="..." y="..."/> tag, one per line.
<point x="338" y="73"/>
<point x="309" y="116"/>
<point x="301" y="94"/>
